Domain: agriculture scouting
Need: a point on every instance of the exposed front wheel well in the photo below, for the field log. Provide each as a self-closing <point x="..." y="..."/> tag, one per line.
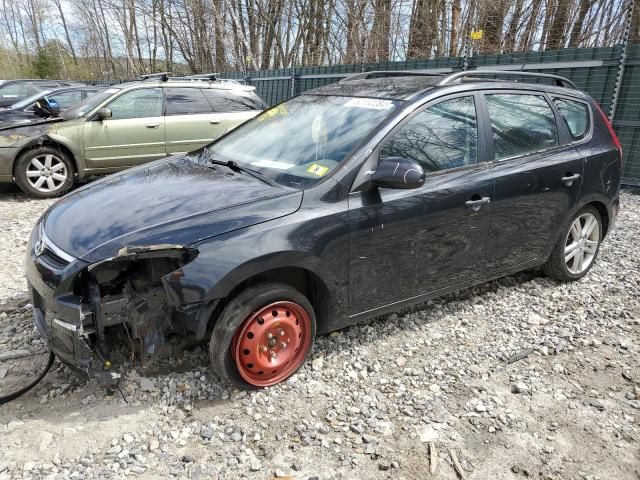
<point x="305" y="281"/>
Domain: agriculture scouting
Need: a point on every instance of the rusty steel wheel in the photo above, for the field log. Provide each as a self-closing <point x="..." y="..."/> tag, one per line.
<point x="272" y="343"/>
<point x="262" y="336"/>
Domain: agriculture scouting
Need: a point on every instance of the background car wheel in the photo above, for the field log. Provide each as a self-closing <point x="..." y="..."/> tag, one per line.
<point x="576" y="251"/>
<point x="44" y="172"/>
<point x="263" y="336"/>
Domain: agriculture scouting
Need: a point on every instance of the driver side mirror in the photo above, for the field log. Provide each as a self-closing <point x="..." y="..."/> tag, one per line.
<point x="397" y="172"/>
<point x="46" y="107"/>
<point x="104" y="113"/>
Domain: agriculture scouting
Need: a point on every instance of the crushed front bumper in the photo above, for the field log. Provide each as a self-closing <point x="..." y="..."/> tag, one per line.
<point x="58" y="313"/>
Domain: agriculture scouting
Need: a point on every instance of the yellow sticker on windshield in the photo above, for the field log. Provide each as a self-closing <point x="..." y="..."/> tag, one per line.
<point x="318" y="170"/>
<point x="273" y="112"/>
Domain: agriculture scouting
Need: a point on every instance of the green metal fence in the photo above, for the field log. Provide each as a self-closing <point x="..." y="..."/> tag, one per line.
<point x="594" y="70"/>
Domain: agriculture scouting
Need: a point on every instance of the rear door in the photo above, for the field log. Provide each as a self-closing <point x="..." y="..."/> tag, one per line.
<point x="405" y="243"/>
<point x="537" y="173"/>
<point x="133" y="135"/>
<point x="191" y="122"/>
<point x="233" y="106"/>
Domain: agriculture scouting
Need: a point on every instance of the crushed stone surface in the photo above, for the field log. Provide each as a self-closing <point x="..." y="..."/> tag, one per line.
<point x="518" y="378"/>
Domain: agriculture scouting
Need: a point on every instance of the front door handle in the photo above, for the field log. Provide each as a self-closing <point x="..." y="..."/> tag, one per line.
<point x="477" y="204"/>
<point x="569" y="179"/>
<point x="152" y="125"/>
<point x="215" y="121"/>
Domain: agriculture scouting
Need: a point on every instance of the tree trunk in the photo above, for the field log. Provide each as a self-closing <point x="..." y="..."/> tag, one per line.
<point x="379" y="44"/>
<point x="58" y="5"/>
<point x="576" y="31"/>
<point x="559" y="25"/>
<point x="491" y="22"/>
<point x="527" y="38"/>
<point x="421" y="31"/>
<point x="455" y="19"/>
<point x="510" y="41"/>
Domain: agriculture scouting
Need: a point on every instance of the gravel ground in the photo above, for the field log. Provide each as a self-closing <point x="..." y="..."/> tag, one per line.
<point x="429" y="394"/>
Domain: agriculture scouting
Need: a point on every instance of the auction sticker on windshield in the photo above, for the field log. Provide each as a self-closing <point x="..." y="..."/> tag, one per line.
<point x="372" y="103"/>
<point x="273" y="164"/>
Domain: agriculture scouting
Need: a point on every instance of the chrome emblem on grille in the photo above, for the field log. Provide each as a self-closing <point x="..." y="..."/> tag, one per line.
<point x="39" y="247"/>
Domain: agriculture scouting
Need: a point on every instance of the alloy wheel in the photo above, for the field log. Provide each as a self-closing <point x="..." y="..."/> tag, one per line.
<point x="272" y="343"/>
<point x="582" y="243"/>
<point x="47" y="173"/>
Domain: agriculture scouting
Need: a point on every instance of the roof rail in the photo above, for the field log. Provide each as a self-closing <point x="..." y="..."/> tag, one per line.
<point x="202" y="76"/>
<point x="560" y="81"/>
<point x="164" y="76"/>
<point x="389" y="73"/>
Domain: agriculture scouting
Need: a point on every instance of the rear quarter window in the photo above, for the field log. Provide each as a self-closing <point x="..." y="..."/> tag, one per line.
<point x="576" y="116"/>
<point x="223" y="101"/>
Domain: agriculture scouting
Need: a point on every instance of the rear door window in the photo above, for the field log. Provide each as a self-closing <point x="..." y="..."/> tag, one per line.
<point x="186" y="101"/>
<point x="442" y="136"/>
<point x="575" y="115"/>
<point x="224" y="101"/>
<point x="520" y="124"/>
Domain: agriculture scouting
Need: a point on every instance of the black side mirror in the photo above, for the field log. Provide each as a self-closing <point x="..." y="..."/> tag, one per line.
<point x="397" y="172"/>
<point x="46" y="107"/>
<point x="104" y="113"/>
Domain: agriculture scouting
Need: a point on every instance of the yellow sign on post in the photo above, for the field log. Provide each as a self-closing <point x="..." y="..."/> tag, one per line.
<point x="476" y="35"/>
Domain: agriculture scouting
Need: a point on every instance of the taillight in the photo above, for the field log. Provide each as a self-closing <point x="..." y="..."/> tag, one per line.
<point x="616" y="141"/>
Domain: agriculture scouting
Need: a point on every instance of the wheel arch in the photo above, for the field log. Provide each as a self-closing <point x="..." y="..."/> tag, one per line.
<point x="600" y="202"/>
<point x="604" y="215"/>
<point x="48" y="142"/>
<point x="304" y="280"/>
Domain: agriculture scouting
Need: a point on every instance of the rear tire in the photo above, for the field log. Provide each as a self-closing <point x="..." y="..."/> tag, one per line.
<point x="263" y="336"/>
<point x="577" y="249"/>
<point x="44" y="172"/>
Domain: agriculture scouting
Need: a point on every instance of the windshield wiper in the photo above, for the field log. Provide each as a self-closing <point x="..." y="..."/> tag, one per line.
<point x="239" y="169"/>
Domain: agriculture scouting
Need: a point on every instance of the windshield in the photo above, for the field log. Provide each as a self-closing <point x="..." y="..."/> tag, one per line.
<point x="88" y="104"/>
<point x="304" y="139"/>
<point x="29" y="100"/>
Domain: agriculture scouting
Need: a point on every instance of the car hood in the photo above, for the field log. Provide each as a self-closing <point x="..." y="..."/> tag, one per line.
<point x="178" y="201"/>
<point x="16" y="133"/>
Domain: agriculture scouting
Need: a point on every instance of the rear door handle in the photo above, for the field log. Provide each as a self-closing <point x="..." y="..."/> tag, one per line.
<point x="152" y="125"/>
<point x="569" y="179"/>
<point x="477" y="204"/>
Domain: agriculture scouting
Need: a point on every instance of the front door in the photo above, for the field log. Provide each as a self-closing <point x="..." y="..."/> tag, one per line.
<point x="405" y="243"/>
<point x="537" y="174"/>
<point x="134" y="134"/>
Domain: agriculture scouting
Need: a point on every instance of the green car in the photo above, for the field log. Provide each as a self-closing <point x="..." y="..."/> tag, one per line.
<point x="121" y="127"/>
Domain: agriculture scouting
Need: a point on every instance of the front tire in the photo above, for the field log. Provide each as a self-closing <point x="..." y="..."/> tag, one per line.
<point x="263" y="336"/>
<point x="44" y="172"/>
<point x="577" y="249"/>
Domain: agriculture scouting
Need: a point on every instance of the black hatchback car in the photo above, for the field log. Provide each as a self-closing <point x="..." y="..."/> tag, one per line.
<point x="344" y="203"/>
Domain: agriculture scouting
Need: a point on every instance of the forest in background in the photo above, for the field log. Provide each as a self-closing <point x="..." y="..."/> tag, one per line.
<point x="122" y="39"/>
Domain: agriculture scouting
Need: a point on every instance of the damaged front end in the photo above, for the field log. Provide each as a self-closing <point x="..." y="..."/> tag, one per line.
<point x="122" y="298"/>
